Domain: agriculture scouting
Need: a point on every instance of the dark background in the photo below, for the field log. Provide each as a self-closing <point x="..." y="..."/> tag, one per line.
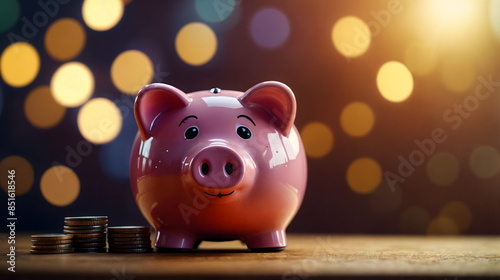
<point x="323" y="81"/>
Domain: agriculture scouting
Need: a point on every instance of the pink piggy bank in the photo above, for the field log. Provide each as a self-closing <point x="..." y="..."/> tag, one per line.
<point x="218" y="165"/>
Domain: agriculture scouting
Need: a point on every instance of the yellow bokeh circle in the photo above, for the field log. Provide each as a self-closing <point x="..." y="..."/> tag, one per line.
<point x="394" y="81"/>
<point x="351" y="36"/>
<point x="60" y="185"/>
<point x="99" y="121"/>
<point x="72" y="84"/>
<point x="484" y="162"/>
<point x="442" y="169"/>
<point x="19" y="64"/>
<point x="102" y="15"/>
<point x="196" y="43"/>
<point x="65" y="39"/>
<point x="364" y="175"/>
<point x="442" y="225"/>
<point x="41" y="110"/>
<point x="357" y="119"/>
<point x="131" y="70"/>
<point x="23" y="178"/>
<point x="317" y="139"/>
<point x="460" y="213"/>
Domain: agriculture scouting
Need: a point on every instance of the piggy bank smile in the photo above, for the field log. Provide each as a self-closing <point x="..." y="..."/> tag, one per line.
<point x="219" y="195"/>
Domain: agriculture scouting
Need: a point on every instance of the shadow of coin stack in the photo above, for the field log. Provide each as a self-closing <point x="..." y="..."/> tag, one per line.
<point x="51" y="244"/>
<point x="89" y="233"/>
<point x="129" y="239"/>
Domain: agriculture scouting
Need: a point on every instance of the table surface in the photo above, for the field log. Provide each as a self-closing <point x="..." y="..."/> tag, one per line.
<point x="307" y="256"/>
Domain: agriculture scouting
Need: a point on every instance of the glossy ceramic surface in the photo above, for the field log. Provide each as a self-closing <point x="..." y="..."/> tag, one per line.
<point x="218" y="165"/>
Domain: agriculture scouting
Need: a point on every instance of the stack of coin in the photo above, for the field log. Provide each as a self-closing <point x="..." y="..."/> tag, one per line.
<point x="51" y="244"/>
<point x="129" y="239"/>
<point x="89" y="233"/>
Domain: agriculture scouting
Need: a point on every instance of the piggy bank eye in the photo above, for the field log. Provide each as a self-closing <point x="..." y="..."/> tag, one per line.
<point x="244" y="132"/>
<point x="191" y="133"/>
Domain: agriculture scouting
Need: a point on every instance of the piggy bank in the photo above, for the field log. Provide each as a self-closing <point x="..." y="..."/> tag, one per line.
<point x="218" y="165"/>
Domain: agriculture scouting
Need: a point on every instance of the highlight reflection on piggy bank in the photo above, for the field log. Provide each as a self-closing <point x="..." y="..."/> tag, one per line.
<point x="218" y="165"/>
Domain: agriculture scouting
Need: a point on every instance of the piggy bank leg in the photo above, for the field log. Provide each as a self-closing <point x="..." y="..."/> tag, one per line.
<point x="271" y="241"/>
<point x="172" y="241"/>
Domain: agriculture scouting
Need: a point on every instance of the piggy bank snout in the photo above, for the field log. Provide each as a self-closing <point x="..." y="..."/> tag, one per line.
<point x="218" y="167"/>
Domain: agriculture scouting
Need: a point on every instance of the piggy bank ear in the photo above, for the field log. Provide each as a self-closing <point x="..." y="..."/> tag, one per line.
<point x="154" y="99"/>
<point x="276" y="98"/>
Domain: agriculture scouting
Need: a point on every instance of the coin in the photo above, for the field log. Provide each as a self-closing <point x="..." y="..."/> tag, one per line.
<point x="124" y="238"/>
<point x="51" y="242"/>
<point x="128" y="235"/>
<point x="90" y="245"/>
<point x="129" y="246"/>
<point x="81" y="231"/>
<point x="129" y="229"/>
<point x="89" y="240"/>
<point x="137" y="250"/>
<point x="88" y="227"/>
<point x="86" y="220"/>
<point x="89" y="235"/>
<point x="134" y="241"/>
<point x="90" y="250"/>
<point x="51" y="247"/>
<point x="55" y="251"/>
<point x="84" y="223"/>
<point x="51" y="237"/>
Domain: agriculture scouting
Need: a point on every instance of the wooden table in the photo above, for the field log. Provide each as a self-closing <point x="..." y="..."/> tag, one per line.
<point x="306" y="257"/>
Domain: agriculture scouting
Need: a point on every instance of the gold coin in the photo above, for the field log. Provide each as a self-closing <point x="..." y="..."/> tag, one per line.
<point x="51" y="236"/>
<point x="52" y="247"/>
<point x="129" y="229"/>
<point x="56" y="251"/>
<point x="51" y="242"/>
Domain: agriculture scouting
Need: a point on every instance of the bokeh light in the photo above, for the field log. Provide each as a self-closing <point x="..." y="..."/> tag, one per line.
<point x="60" y="185"/>
<point x="460" y="213"/>
<point x="442" y="225"/>
<point x="450" y="16"/>
<point x="394" y="81"/>
<point x="9" y="14"/>
<point x="99" y="120"/>
<point x="420" y="58"/>
<point x="41" y="110"/>
<point x="495" y="17"/>
<point x="442" y="168"/>
<point x="131" y="70"/>
<point x="196" y="43"/>
<point x="270" y="28"/>
<point x="351" y="36"/>
<point x="24" y="176"/>
<point x="414" y="220"/>
<point x="214" y="10"/>
<point x="458" y="73"/>
<point x="357" y="119"/>
<point x="364" y="175"/>
<point x="102" y="15"/>
<point x="65" y="39"/>
<point x="484" y="161"/>
<point x="19" y="64"/>
<point x="317" y="139"/>
<point x="72" y="84"/>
